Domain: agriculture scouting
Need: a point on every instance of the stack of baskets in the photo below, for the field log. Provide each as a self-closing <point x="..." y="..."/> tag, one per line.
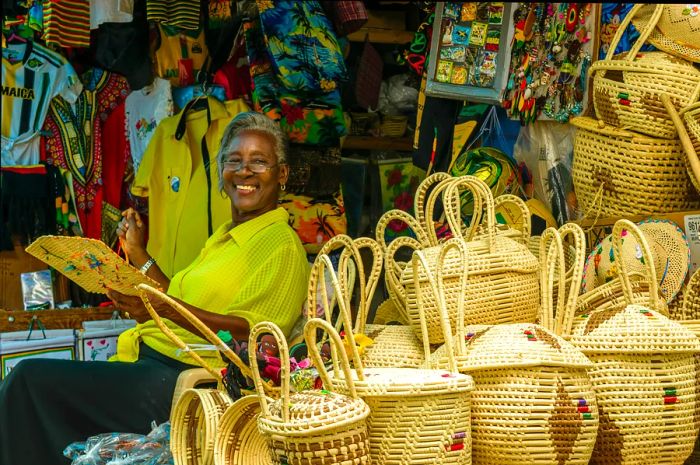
<point x="630" y="161"/>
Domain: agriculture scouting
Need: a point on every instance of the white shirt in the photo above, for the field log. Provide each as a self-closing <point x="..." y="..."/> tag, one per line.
<point x="110" y="11"/>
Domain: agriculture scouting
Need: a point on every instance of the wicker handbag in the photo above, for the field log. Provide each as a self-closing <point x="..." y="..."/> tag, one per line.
<point x="309" y="427"/>
<point x="688" y="126"/>
<point x="618" y="172"/>
<point x="533" y="402"/>
<point x="644" y="376"/>
<point x="503" y="274"/>
<point x="238" y="440"/>
<point x="627" y="89"/>
<point x="419" y="416"/>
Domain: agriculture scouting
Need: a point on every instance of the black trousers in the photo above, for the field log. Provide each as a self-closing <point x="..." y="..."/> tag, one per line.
<point x="47" y="404"/>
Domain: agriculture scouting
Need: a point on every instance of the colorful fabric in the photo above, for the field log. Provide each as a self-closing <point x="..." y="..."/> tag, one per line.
<point x="399" y="180"/>
<point x="256" y="271"/>
<point x="307" y="117"/>
<point x="304" y="51"/>
<point x="611" y="15"/>
<point x="67" y="23"/>
<point x="181" y="55"/>
<point x="74" y="141"/>
<point x="116" y="151"/>
<point x="31" y="76"/>
<point x="180" y="13"/>
<point x="173" y="176"/>
<point x="315" y="220"/>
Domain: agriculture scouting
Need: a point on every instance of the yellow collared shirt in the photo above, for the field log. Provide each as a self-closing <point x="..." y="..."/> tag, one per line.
<point x="257" y="271"/>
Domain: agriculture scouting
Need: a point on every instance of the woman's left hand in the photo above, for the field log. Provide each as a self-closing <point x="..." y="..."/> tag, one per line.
<point x="131" y="304"/>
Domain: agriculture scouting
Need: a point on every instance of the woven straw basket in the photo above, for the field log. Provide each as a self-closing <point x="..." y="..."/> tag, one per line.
<point x="418" y="416"/>
<point x="627" y="89"/>
<point x="309" y="427"/>
<point x="503" y="274"/>
<point x="644" y="377"/>
<point x="533" y="402"/>
<point x="194" y="425"/>
<point x="392" y="346"/>
<point x="619" y="173"/>
<point x="688" y="126"/>
<point x="238" y="440"/>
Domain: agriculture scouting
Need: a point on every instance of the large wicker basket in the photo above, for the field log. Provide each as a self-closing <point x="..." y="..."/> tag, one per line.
<point x="309" y="427"/>
<point x="627" y="89"/>
<point x="644" y="377"/>
<point x="690" y="315"/>
<point x="238" y="440"/>
<point x="503" y="273"/>
<point x="620" y="173"/>
<point x="688" y="127"/>
<point x="533" y="402"/>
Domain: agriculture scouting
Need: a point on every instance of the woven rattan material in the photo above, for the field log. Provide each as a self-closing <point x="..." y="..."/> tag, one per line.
<point x="677" y="31"/>
<point x="89" y="263"/>
<point x="194" y="425"/>
<point x="238" y="440"/>
<point x="620" y="173"/>
<point x="301" y="425"/>
<point x="387" y="312"/>
<point x="691" y="300"/>
<point x="627" y="89"/>
<point x="669" y="249"/>
<point x="688" y="126"/>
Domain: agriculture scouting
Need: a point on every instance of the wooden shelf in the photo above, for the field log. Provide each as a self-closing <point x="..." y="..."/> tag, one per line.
<point x="70" y="318"/>
<point x="382" y="36"/>
<point x="378" y="143"/>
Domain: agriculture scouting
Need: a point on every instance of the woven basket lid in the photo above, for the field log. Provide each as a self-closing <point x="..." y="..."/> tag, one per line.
<point x="517" y="345"/>
<point x="631" y="329"/>
<point x="669" y="247"/>
<point x="678" y="29"/>
<point x="314" y="410"/>
<point x="401" y="382"/>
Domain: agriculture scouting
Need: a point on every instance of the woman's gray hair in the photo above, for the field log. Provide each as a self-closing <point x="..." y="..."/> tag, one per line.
<point x="251" y="121"/>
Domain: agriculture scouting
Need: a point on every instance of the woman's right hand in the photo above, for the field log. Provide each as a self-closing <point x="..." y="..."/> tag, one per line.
<point x="132" y="233"/>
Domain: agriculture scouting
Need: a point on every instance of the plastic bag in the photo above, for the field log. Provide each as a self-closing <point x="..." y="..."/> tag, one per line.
<point x="546" y="148"/>
<point x="396" y="96"/>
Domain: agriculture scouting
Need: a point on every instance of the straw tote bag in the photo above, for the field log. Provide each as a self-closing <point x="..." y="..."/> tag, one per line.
<point x="644" y="375"/>
<point x="618" y="172"/>
<point x="314" y="426"/>
<point x="419" y="417"/>
<point x="238" y="440"/>
<point x="392" y="345"/>
<point x="503" y="273"/>
<point x="533" y="402"/>
<point x="687" y="124"/>
<point x="627" y="89"/>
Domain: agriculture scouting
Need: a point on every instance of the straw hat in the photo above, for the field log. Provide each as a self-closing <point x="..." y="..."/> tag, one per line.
<point x="677" y="31"/>
<point x="670" y="250"/>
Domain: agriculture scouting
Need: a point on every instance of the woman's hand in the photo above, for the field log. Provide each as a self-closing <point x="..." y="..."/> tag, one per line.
<point x="130" y="304"/>
<point x="132" y="233"/>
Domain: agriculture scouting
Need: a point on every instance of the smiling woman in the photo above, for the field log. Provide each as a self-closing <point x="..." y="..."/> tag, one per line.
<point x="253" y="268"/>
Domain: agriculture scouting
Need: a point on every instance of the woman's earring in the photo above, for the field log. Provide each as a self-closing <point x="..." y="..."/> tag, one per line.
<point x="283" y="187"/>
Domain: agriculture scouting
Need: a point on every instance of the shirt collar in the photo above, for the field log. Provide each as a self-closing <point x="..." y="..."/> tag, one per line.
<point x="245" y="231"/>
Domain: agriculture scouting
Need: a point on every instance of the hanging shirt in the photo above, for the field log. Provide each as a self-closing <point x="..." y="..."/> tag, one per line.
<point x="180" y="56"/>
<point x="67" y="23"/>
<point x="110" y="11"/>
<point x="31" y="76"/>
<point x="74" y="141"/>
<point x="181" y="13"/>
<point x="173" y="176"/>
<point x="145" y="109"/>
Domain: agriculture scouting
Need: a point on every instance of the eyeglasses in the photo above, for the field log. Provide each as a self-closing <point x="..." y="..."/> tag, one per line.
<point x="255" y="166"/>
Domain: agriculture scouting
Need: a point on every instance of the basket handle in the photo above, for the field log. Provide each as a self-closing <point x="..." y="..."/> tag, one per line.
<point x="435" y="194"/>
<point x="634" y="231"/>
<point x="564" y="324"/>
<point x="551" y="259"/>
<point x="147" y="292"/>
<point x="276" y="332"/>
<point x="338" y="354"/>
<point x="461" y="247"/>
<point x="399" y="215"/>
<point x="643" y="35"/>
<point x="690" y="152"/>
<point x="418" y="260"/>
<point x="483" y="199"/>
<point x="421" y="196"/>
<point x="393" y="270"/>
<point x="526" y="223"/>
<point x="372" y="279"/>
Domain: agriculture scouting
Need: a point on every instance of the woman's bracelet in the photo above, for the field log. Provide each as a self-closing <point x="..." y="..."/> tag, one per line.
<point x="146" y="266"/>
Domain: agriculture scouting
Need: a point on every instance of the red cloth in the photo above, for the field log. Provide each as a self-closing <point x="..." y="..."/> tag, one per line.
<point x="234" y="75"/>
<point x="115" y="151"/>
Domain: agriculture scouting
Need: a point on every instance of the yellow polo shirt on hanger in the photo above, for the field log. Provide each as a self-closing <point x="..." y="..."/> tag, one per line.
<point x="173" y="177"/>
<point x="257" y="271"/>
